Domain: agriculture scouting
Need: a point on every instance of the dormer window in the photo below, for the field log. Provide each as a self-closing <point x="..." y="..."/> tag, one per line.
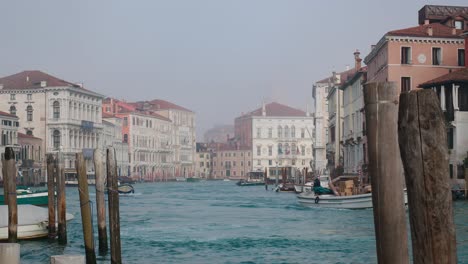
<point x="459" y="24"/>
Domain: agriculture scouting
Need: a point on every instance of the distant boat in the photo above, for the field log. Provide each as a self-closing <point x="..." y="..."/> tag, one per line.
<point x="125" y="188"/>
<point x="192" y="179"/>
<point x="249" y="183"/>
<point x="24" y="195"/>
<point x="32" y="221"/>
<point x="227" y="180"/>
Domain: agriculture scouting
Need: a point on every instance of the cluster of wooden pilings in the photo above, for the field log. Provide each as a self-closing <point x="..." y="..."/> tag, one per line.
<point x="408" y="132"/>
<point x="56" y="184"/>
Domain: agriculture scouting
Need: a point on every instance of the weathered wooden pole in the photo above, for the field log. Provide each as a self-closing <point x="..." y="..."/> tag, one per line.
<point x="381" y="107"/>
<point x="5" y="185"/>
<point x="114" y="214"/>
<point x="51" y="175"/>
<point x="61" y="200"/>
<point x="100" y="201"/>
<point x="85" y="209"/>
<point x="422" y="137"/>
<point x="10" y="182"/>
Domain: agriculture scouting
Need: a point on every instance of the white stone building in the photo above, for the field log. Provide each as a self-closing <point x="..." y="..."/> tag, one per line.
<point x="279" y="136"/>
<point x="320" y="94"/>
<point x="9" y="130"/>
<point x="64" y="115"/>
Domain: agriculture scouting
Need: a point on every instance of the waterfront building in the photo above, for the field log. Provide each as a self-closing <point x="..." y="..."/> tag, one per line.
<point x="320" y="95"/>
<point x="231" y="162"/>
<point x="452" y="91"/>
<point x="418" y="54"/>
<point x="203" y="163"/>
<point x="9" y="130"/>
<point x="30" y="159"/>
<point x="149" y="139"/>
<point x="354" y="137"/>
<point x="335" y="122"/>
<point x="219" y="133"/>
<point x="277" y="136"/>
<point x="112" y="137"/>
<point x="64" y="115"/>
<point x="182" y="133"/>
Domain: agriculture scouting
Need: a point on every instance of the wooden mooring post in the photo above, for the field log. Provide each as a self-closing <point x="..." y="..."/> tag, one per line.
<point x="9" y="182"/>
<point x="61" y="200"/>
<point x="381" y="107"/>
<point x="422" y="138"/>
<point x="100" y="201"/>
<point x="85" y="205"/>
<point x="114" y="214"/>
<point x="51" y="176"/>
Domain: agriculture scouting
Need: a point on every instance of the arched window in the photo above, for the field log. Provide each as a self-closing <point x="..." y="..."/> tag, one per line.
<point x="280" y="148"/>
<point x="287" y="150"/>
<point x="286" y="132"/>
<point x="56" y="109"/>
<point x="280" y="132"/>
<point x="56" y="136"/>
<point x="293" y="149"/>
<point x="29" y="111"/>
<point x="29" y="132"/>
<point x="293" y="131"/>
<point x="125" y="139"/>
<point x="13" y="110"/>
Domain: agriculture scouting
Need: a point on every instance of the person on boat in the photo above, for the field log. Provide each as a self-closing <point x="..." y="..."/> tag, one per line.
<point x="317" y="182"/>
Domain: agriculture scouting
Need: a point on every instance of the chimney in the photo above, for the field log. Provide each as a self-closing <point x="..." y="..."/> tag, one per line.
<point x="347" y="67"/>
<point x="357" y="64"/>
<point x="429" y="31"/>
<point x="27" y="78"/>
<point x="263" y="109"/>
<point x="307" y="110"/>
<point x="426" y="22"/>
<point x="454" y="31"/>
<point x="43" y="83"/>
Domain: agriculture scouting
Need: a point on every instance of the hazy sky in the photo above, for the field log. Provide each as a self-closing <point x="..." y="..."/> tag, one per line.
<point x="217" y="58"/>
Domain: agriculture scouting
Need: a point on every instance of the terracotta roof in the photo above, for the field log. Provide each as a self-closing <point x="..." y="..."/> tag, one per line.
<point x="158" y="104"/>
<point x="460" y="76"/>
<point x="144" y="113"/>
<point x="277" y="109"/>
<point x="107" y="115"/>
<point x="344" y="76"/>
<point x="7" y="114"/>
<point x="21" y="135"/>
<point x="32" y="80"/>
<point x="438" y="31"/>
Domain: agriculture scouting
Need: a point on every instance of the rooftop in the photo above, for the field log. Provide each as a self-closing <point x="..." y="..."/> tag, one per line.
<point x="460" y="76"/>
<point x="7" y="114"/>
<point x="277" y="109"/>
<point x="438" y="31"/>
<point x="33" y="80"/>
<point x="158" y="104"/>
<point x="21" y="135"/>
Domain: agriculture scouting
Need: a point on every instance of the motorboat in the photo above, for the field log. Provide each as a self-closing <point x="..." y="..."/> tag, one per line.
<point x="24" y="195"/>
<point x="125" y="188"/>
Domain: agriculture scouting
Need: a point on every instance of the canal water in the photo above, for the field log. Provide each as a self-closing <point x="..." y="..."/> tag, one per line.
<point x="219" y="222"/>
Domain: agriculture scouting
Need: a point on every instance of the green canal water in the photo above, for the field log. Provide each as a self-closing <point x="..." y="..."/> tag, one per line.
<point x="219" y="222"/>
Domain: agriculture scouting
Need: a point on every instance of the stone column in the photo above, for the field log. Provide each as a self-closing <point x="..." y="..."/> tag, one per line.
<point x="455" y="96"/>
<point x="442" y="98"/>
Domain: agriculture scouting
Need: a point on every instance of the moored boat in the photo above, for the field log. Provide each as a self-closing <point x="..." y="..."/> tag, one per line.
<point x="249" y="183"/>
<point x="192" y="179"/>
<point x="32" y="221"/>
<point x="24" y="195"/>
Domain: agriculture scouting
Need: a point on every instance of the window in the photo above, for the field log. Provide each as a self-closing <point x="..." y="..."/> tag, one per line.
<point x="12" y="96"/>
<point x="29" y="132"/>
<point x="405" y="55"/>
<point x="270" y="132"/>
<point x="270" y="150"/>
<point x="125" y="138"/>
<point x="259" y="162"/>
<point x="248" y="163"/>
<point x="302" y="132"/>
<point x="234" y="163"/>
<point x="259" y="132"/>
<point x="280" y="132"/>
<point x="450" y="138"/>
<point x="293" y="132"/>
<point x="259" y="150"/>
<point x="294" y="148"/>
<point x="29" y="97"/>
<point x="56" y="136"/>
<point x="332" y="134"/>
<point x="461" y="57"/>
<point x="280" y="149"/>
<point x="286" y="132"/>
<point x="29" y="111"/>
<point x="13" y="110"/>
<point x="56" y="109"/>
<point x="303" y="150"/>
<point x="125" y="121"/>
<point x="201" y="164"/>
<point x="458" y="24"/>
<point x="270" y="162"/>
<point x="436" y="56"/>
<point x="405" y="84"/>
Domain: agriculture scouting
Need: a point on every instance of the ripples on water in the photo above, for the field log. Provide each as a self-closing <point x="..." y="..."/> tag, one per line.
<point x="219" y="222"/>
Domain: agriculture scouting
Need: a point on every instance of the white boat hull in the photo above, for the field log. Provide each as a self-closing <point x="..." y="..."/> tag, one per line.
<point x="361" y="201"/>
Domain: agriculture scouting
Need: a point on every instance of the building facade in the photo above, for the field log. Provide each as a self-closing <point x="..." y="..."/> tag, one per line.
<point x="30" y="159"/>
<point x="9" y="130"/>
<point x="278" y="136"/>
<point x="65" y="116"/>
<point x="112" y="137"/>
<point x="203" y="163"/>
<point x="319" y="95"/>
<point x="231" y="162"/>
<point x="414" y="55"/>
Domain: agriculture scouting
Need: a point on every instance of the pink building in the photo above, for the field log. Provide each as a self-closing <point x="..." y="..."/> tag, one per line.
<point x="414" y="55"/>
